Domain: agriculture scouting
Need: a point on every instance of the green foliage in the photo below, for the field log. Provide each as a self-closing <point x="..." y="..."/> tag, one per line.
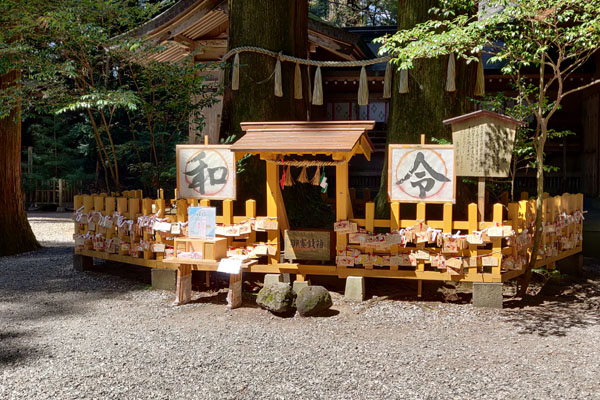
<point x="548" y="38"/>
<point x="78" y="61"/>
<point x="355" y="12"/>
<point x="306" y="208"/>
<point x="62" y="149"/>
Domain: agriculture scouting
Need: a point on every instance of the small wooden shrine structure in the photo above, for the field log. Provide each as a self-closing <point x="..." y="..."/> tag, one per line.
<point x="274" y="141"/>
<point x="410" y="244"/>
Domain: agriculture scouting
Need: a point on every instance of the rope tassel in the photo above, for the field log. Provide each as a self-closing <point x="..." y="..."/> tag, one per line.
<point x="451" y="75"/>
<point x="316" y="180"/>
<point x="302" y="178"/>
<point x="403" y="84"/>
<point x="318" y="89"/>
<point x="387" y="81"/>
<point x="480" y="82"/>
<point x="297" y="83"/>
<point x="235" y="74"/>
<point x="288" y="180"/>
<point x="278" y="85"/>
<point x="363" y="88"/>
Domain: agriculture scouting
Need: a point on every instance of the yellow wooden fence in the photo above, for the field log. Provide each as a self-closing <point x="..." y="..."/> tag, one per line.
<point x="561" y="215"/>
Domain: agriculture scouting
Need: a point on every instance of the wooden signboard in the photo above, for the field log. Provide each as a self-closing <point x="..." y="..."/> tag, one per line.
<point x="205" y="172"/>
<point x="308" y="245"/>
<point x="483" y="142"/>
<point x="421" y="173"/>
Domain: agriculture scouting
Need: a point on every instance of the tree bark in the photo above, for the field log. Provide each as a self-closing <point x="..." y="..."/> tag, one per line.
<point x="16" y="235"/>
<point x="427" y="103"/>
<point x="539" y="202"/>
<point x="275" y="25"/>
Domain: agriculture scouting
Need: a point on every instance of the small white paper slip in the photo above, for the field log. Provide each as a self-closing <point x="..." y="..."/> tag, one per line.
<point x="230" y="266"/>
<point x="161" y="226"/>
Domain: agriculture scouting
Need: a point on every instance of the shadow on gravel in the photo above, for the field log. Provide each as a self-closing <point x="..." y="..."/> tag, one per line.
<point x="12" y="350"/>
<point x="559" y="307"/>
<point x="42" y="286"/>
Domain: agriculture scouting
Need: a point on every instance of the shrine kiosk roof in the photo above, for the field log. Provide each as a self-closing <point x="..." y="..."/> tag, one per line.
<point x="483" y="114"/>
<point x="298" y="137"/>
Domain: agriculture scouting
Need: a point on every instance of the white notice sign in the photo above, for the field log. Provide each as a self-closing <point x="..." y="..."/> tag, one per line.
<point x="230" y="266"/>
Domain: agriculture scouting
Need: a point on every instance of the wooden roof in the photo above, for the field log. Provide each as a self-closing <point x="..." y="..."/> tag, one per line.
<point x="480" y="114"/>
<point x="298" y="137"/>
<point x="192" y="24"/>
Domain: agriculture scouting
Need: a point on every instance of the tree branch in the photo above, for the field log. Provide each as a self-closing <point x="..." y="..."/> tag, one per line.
<point x="581" y="87"/>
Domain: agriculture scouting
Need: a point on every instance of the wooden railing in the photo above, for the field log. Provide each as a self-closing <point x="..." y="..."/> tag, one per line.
<point x="562" y="216"/>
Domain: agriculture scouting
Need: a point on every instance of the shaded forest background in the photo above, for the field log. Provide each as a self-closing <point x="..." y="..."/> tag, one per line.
<point x="104" y="121"/>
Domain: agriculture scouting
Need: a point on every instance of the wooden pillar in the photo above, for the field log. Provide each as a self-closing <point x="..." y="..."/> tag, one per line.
<point x="341" y="198"/>
<point x="481" y="198"/>
<point x="497" y="243"/>
<point x="183" y="291"/>
<point x="272" y="190"/>
<point x="147" y="210"/>
<point x="251" y="213"/>
<point x="88" y="203"/>
<point x="133" y="207"/>
<point x="181" y="210"/>
<point x="369" y="226"/>
<point x="234" y="294"/>
<point x="472" y="223"/>
<point x="60" y="193"/>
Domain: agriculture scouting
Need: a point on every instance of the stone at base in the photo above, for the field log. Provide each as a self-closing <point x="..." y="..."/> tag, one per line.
<point x="487" y="295"/>
<point x="60" y="209"/>
<point x="164" y="279"/>
<point x="355" y="288"/>
<point x="82" y="263"/>
<point x="273" y="278"/>
<point x="277" y="298"/>
<point x="299" y="285"/>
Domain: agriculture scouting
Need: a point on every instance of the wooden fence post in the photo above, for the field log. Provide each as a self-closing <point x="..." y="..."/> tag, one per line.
<point x="369" y="225"/>
<point x="513" y="216"/>
<point x="472" y="226"/>
<point x="147" y="210"/>
<point x="497" y="243"/>
<point x="420" y="263"/>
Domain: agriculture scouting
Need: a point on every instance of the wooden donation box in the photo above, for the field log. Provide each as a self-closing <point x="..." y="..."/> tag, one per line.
<point x="201" y="249"/>
<point x="483" y="143"/>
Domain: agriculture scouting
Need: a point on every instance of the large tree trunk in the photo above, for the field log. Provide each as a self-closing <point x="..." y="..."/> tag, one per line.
<point x="16" y="235"/>
<point x="427" y="104"/>
<point x="275" y="25"/>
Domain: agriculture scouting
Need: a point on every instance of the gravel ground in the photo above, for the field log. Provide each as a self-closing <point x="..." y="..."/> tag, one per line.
<point x="103" y="334"/>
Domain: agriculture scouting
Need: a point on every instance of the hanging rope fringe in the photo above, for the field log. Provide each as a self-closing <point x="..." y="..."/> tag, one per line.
<point x="278" y="86"/>
<point x="363" y="88"/>
<point x="480" y="82"/>
<point x="403" y="84"/>
<point x="309" y="86"/>
<point x="451" y="75"/>
<point x="297" y="82"/>
<point x="387" y="81"/>
<point x="318" y="90"/>
<point x="289" y="180"/>
<point x="235" y="74"/>
<point x="307" y="163"/>
<point x="303" y="61"/>
<point x="302" y="178"/>
<point x="316" y="180"/>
